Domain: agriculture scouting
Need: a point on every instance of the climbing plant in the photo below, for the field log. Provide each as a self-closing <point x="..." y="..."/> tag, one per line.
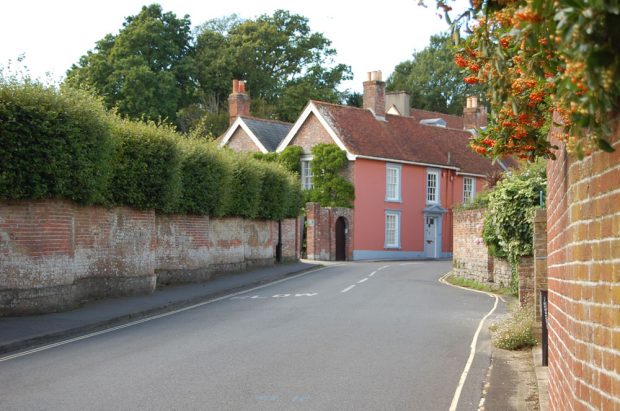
<point x="330" y="187"/>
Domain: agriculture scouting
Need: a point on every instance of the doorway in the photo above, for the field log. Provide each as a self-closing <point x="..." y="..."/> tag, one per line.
<point x="431" y="241"/>
<point x="341" y="239"/>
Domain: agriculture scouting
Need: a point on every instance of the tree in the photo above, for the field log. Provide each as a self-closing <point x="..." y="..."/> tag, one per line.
<point x="432" y="79"/>
<point x="283" y="62"/>
<point x="146" y="70"/>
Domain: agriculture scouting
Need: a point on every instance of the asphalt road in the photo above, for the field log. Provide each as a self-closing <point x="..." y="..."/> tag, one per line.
<point x="359" y="336"/>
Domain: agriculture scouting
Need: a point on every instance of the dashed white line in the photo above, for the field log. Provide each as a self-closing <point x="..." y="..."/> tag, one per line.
<point x="381" y="268"/>
<point x="348" y="288"/>
<point x="363" y="280"/>
<point x="371" y="274"/>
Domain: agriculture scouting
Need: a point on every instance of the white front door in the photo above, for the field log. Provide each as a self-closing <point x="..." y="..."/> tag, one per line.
<point x="430" y="237"/>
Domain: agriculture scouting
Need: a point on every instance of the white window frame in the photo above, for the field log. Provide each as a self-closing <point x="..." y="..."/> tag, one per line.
<point x="437" y="198"/>
<point x="395" y="171"/>
<point x="392" y="242"/>
<point x="306" y="173"/>
<point x="469" y="198"/>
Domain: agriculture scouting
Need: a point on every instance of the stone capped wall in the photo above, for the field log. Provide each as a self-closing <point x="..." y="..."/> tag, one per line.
<point x="583" y="220"/>
<point x="55" y="254"/>
<point x="470" y="258"/>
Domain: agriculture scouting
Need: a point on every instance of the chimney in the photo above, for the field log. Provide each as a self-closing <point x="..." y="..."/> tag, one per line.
<point x="374" y="93"/>
<point x="238" y="101"/>
<point x="474" y="116"/>
<point x="399" y="99"/>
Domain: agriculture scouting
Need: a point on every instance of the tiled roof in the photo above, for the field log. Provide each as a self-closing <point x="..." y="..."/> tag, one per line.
<point x="404" y="139"/>
<point x="452" y="121"/>
<point x="269" y="132"/>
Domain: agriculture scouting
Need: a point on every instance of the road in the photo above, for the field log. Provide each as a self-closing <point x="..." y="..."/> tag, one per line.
<point x="357" y="336"/>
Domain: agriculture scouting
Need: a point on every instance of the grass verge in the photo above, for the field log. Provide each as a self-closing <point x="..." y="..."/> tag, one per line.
<point x="475" y="285"/>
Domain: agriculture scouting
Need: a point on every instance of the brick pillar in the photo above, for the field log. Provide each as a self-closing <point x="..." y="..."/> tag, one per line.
<point x="540" y="257"/>
<point x="313" y="211"/>
<point x="525" y="270"/>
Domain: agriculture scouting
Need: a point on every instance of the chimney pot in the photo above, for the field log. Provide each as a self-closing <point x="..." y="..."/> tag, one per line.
<point x="235" y="86"/>
<point x="238" y="101"/>
<point x="241" y="86"/>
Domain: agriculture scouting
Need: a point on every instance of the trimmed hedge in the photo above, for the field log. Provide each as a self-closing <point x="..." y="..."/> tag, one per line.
<point x="64" y="144"/>
<point x="53" y="144"/>
<point x="146" y="170"/>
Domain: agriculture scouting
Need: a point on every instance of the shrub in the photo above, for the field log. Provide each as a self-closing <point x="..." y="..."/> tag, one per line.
<point x="295" y="197"/>
<point x="274" y="190"/>
<point x="146" y="166"/>
<point x="245" y="187"/>
<point x="205" y="178"/>
<point x="290" y="158"/>
<point x="53" y="144"/>
<point x="515" y="331"/>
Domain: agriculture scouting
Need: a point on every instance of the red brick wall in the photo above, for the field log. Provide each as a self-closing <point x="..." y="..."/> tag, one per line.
<point x="310" y="134"/>
<point x="470" y="258"/>
<point x="55" y="254"/>
<point x="241" y="141"/>
<point x="321" y="231"/>
<point x="583" y="218"/>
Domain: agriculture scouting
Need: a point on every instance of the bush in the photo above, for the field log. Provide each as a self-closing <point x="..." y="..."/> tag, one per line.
<point x="295" y="197"/>
<point x="331" y="189"/>
<point x="146" y="166"/>
<point x="53" y="144"/>
<point x="205" y="178"/>
<point x="290" y="158"/>
<point x="274" y="190"/>
<point x="245" y="187"/>
<point x="514" y="332"/>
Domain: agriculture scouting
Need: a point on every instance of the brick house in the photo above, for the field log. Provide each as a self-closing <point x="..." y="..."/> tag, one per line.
<point x="247" y="133"/>
<point x="408" y="171"/>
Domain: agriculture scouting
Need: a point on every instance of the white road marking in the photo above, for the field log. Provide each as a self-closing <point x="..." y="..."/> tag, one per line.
<point x="470" y="360"/>
<point x="306" y="295"/>
<point x="155" y="317"/>
<point x="381" y="268"/>
<point x="280" y="295"/>
<point x="348" y="288"/>
<point x="371" y="274"/>
<point x="363" y="280"/>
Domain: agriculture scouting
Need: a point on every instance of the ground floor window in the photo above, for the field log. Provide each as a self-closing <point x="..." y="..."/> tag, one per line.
<point x="392" y="229"/>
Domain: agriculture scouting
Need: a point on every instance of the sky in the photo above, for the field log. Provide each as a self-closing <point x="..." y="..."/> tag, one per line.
<point x="369" y="35"/>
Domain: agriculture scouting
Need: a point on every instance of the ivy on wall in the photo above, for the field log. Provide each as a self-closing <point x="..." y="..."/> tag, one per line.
<point x="330" y="187"/>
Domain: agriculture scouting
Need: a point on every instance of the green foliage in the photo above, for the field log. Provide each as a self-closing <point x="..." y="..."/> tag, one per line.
<point x="281" y="82"/>
<point x="507" y="229"/>
<point x="432" y="79"/>
<point x="146" y="166"/>
<point x="267" y="157"/>
<point x="330" y="189"/>
<point x="53" y="144"/>
<point x="290" y="158"/>
<point x="145" y="70"/>
<point x="64" y="144"/>
<point x="475" y="285"/>
<point x="205" y="177"/>
<point x="481" y="200"/>
<point x="515" y="331"/>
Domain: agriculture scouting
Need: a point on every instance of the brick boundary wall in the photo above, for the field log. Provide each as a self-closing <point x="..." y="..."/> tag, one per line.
<point x="55" y="254"/>
<point x="470" y="258"/>
<point x="540" y="257"/>
<point x="321" y="230"/>
<point x="584" y="280"/>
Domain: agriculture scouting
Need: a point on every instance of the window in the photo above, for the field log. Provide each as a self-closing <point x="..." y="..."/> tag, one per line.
<point x="432" y="187"/>
<point x="392" y="229"/>
<point x="469" y="189"/>
<point x="392" y="182"/>
<point x="306" y="175"/>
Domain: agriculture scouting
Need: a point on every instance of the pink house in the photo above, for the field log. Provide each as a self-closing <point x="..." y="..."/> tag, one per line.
<point x="408" y="172"/>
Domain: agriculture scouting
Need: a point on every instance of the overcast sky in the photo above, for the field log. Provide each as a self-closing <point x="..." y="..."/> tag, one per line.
<point x="368" y="35"/>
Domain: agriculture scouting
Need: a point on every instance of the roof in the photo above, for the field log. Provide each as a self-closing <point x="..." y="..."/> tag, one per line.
<point x="269" y="132"/>
<point x="452" y="121"/>
<point x="266" y="134"/>
<point x="404" y="139"/>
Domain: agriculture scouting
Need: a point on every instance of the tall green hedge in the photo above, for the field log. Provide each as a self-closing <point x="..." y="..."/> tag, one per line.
<point x="64" y="144"/>
<point x="146" y="170"/>
<point x="53" y="144"/>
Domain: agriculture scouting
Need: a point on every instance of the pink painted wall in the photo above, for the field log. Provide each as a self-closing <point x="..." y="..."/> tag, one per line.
<point x="370" y="205"/>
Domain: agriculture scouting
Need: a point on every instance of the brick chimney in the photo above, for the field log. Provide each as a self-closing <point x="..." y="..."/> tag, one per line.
<point x="374" y="93"/>
<point x="238" y="101"/>
<point x="474" y="116"/>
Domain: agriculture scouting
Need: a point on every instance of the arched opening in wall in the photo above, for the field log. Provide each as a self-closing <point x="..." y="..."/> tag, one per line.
<point x="341" y="239"/>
